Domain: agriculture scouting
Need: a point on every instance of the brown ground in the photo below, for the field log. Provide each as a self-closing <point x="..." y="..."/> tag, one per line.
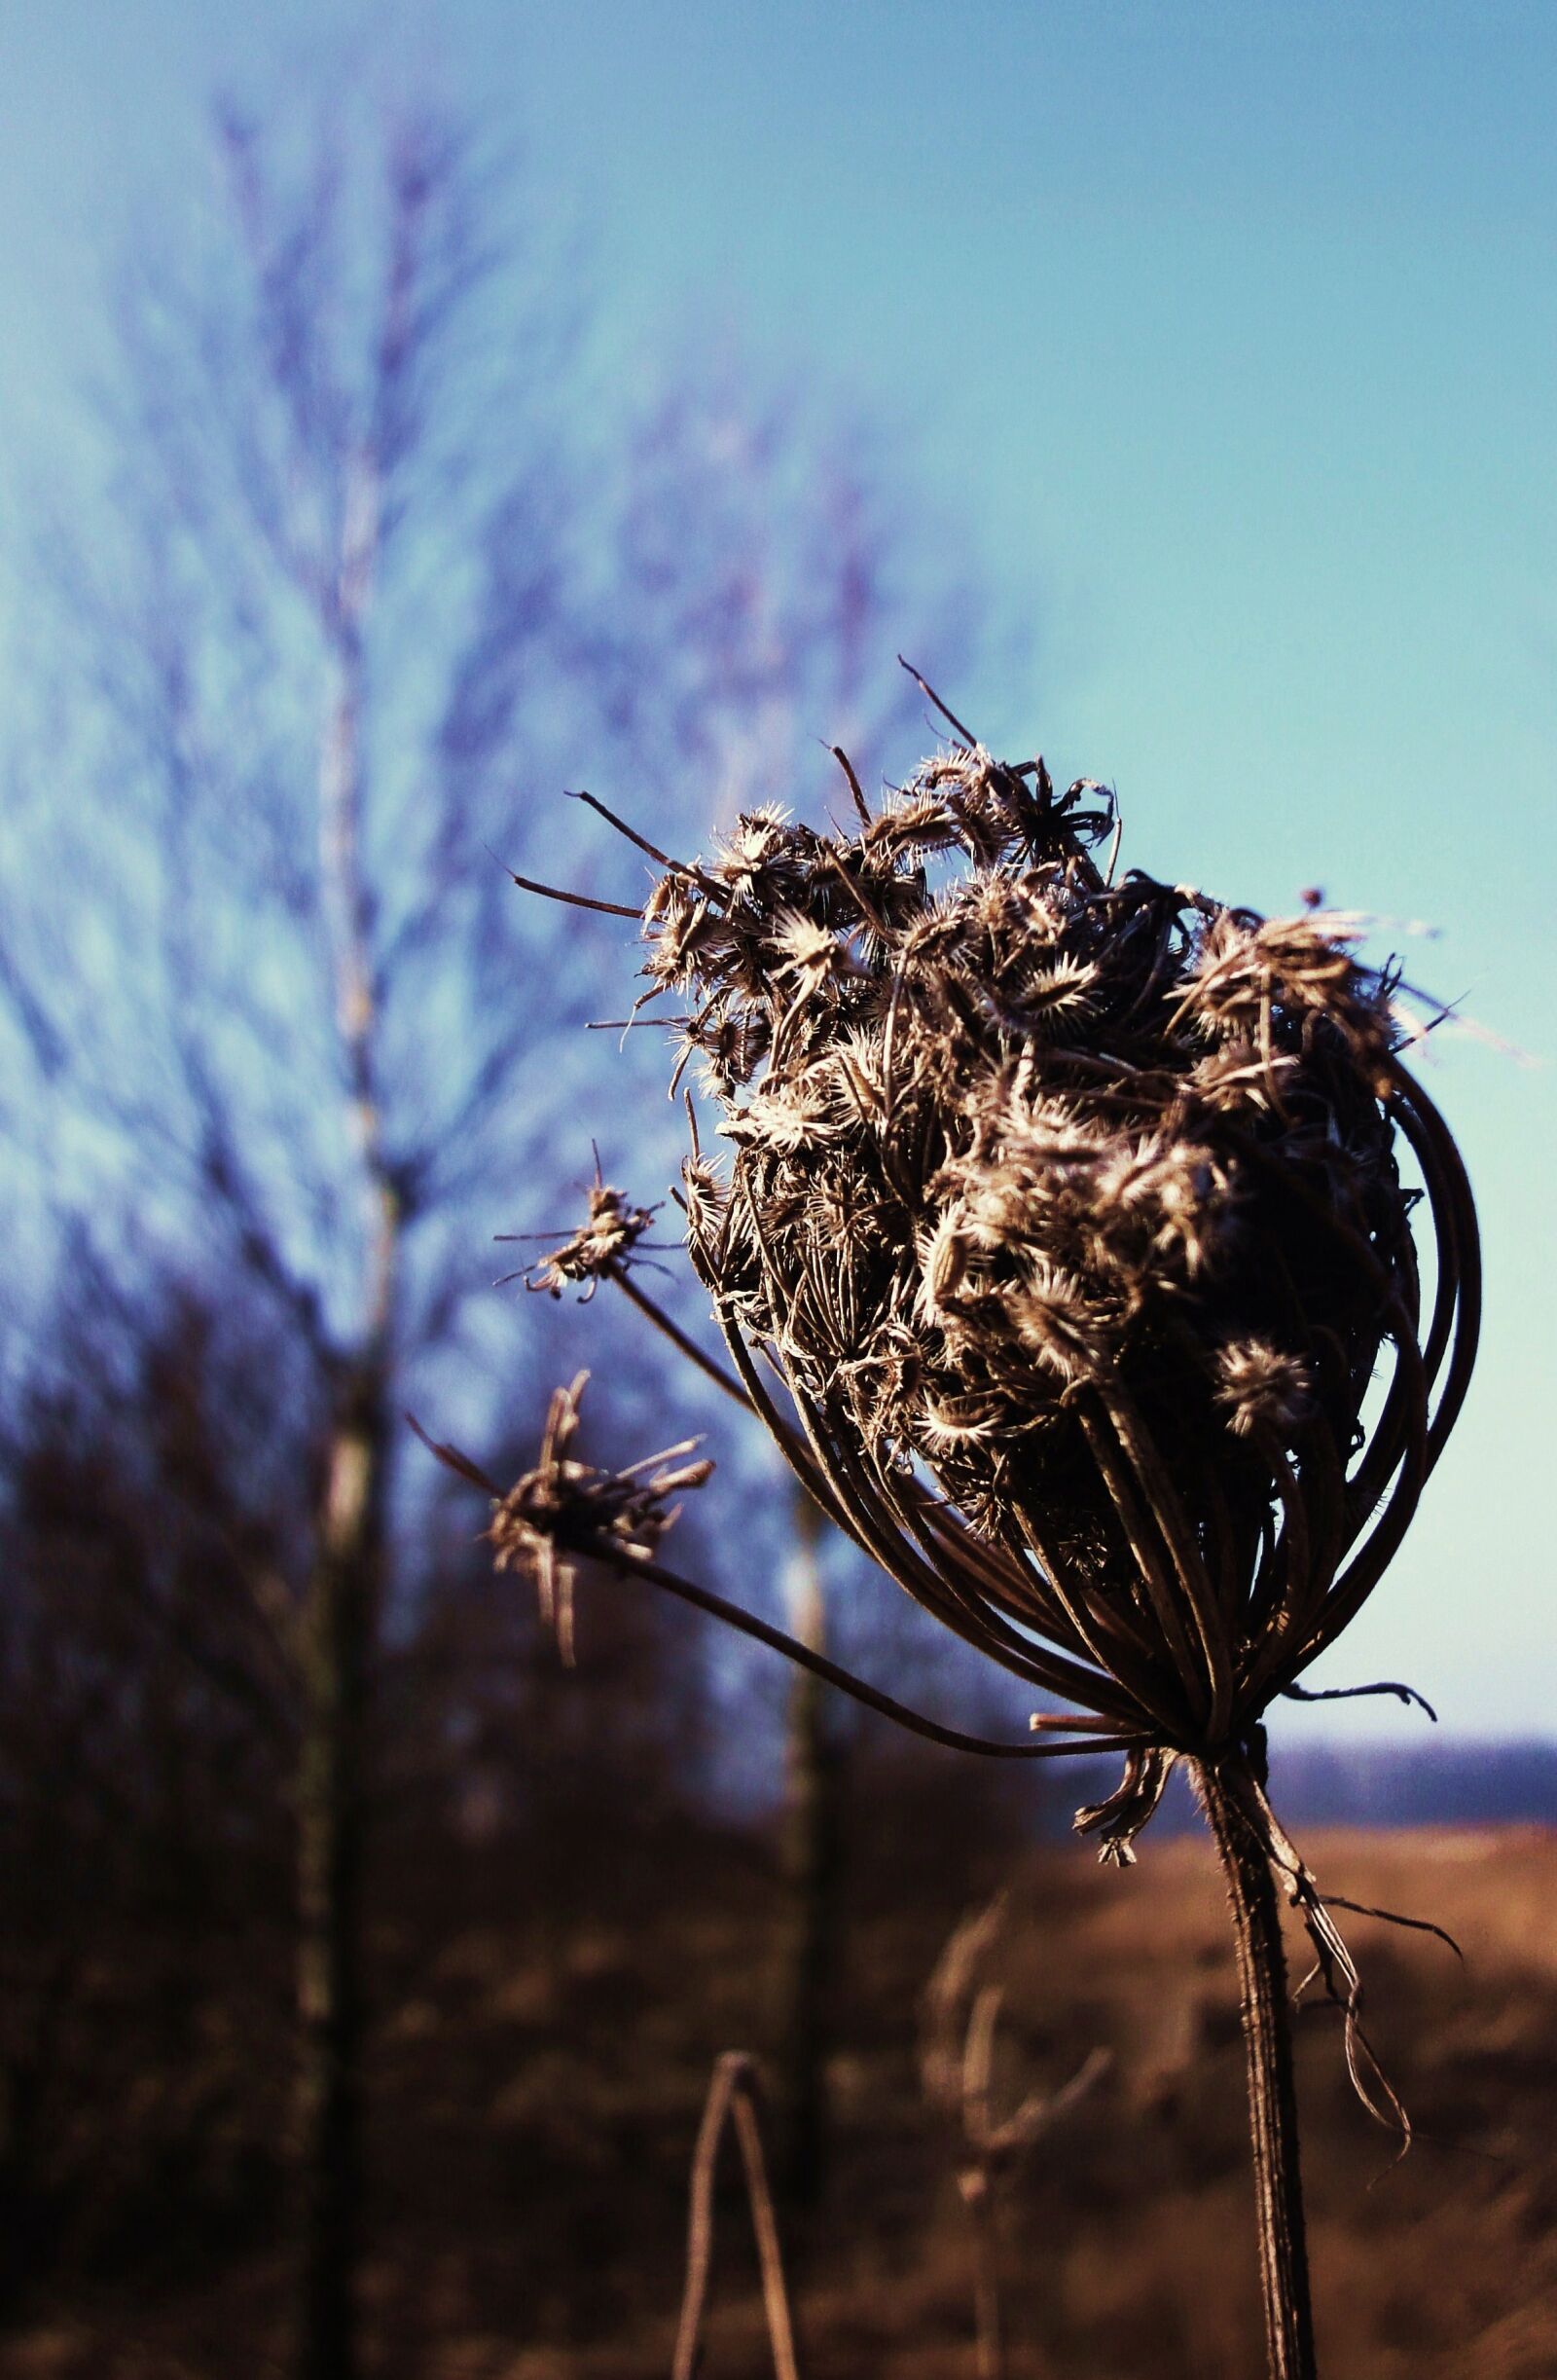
<point x="538" y="2087"/>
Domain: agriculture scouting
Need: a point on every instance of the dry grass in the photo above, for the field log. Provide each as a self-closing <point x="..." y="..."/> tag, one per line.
<point x="537" y="2089"/>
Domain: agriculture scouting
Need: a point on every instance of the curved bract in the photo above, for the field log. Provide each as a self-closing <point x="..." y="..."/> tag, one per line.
<point x="1070" y="1212"/>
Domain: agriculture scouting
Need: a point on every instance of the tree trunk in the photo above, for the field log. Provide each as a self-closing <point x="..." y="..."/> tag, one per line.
<point x="341" y="1628"/>
<point x="346" y="1589"/>
<point x="1272" y="2092"/>
<point x="808" y="1859"/>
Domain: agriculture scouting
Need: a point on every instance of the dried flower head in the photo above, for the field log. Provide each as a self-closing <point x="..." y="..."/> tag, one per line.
<point x="566" y="1507"/>
<point x="602" y="1244"/>
<point x="1070" y="1212"/>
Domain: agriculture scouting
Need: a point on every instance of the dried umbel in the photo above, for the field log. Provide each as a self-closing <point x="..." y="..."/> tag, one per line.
<point x="603" y="1245"/>
<point x="1070" y="1212"/>
<point x="565" y="1507"/>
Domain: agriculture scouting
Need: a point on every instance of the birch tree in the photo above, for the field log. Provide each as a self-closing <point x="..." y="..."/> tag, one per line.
<point x="350" y="601"/>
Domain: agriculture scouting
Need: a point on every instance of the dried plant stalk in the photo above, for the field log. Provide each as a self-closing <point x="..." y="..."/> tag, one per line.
<point x="734" y="2102"/>
<point x="1272" y="2091"/>
<point x="1067" y="1213"/>
<point x="956" y="2066"/>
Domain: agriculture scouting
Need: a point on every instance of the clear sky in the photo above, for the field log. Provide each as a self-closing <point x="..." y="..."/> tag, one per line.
<point x="1227" y="333"/>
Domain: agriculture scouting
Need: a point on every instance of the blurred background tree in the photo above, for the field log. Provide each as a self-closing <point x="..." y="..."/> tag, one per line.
<point x="353" y="592"/>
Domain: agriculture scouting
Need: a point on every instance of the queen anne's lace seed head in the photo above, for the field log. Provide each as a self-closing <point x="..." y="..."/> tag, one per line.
<point x="1070" y="1211"/>
<point x="602" y="1243"/>
<point x="565" y="1507"/>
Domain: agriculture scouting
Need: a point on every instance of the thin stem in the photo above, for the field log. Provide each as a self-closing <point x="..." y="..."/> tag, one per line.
<point x="790" y="1445"/>
<point x="680" y="1339"/>
<point x="732" y="2099"/>
<point x="614" y="1563"/>
<point x="1272" y="2095"/>
<point x="989" y="2326"/>
<point x="1097" y="1731"/>
<point x="930" y="695"/>
<point x="574" y="901"/>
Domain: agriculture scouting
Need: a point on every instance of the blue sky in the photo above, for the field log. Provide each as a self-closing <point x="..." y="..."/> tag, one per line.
<point x="1227" y="336"/>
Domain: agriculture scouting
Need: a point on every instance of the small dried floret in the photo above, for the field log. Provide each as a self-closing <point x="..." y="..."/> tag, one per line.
<point x="808" y="952"/>
<point x="602" y="1243"/>
<point x="1069" y="1332"/>
<point x="1254" y="973"/>
<point x="565" y="1507"/>
<point x="706" y="1197"/>
<point x="911" y="822"/>
<point x="759" y="836"/>
<point x="1166" y="1203"/>
<point x="685" y="932"/>
<point x="1234" y="1076"/>
<point x="1261" y="1388"/>
<point x="1059" y="995"/>
<point x="730" y="1048"/>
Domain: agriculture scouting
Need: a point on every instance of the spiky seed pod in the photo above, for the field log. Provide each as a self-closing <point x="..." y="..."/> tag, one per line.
<point x="602" y="1244"/>
<point x="565" y="1507"/>
<point x="1071" y="1212"/>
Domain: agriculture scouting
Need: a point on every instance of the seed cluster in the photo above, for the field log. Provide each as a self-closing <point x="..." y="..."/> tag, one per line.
<point x="566" y="1506"/>
<point x="602" y="1244"/>
<point x="1069" y="1210"/>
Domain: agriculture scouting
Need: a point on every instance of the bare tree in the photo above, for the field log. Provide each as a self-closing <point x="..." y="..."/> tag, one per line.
<point x="351" y="587"/>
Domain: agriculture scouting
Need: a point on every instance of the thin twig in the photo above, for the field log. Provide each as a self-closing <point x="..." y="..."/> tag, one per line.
<point x="1346" y="1694"/>
<point x="591" y="802"/>
<point x="679" y="1340"/>
<point x="703" y="1599"/>
<point x="574" y="901"/>
<point x="848" y="767"/>
<point x="930" y="695"/>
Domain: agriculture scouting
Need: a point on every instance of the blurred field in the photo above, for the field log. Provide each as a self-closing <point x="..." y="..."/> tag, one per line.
<point x="538" y="2080"/>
